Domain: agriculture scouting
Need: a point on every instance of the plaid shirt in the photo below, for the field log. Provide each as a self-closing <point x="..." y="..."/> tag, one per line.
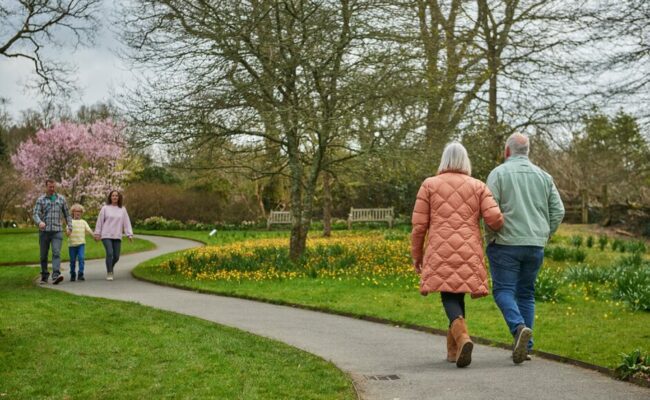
<point x="51" y="212"/>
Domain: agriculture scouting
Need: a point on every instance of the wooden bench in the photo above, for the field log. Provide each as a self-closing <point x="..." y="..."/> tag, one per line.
<point x="278" y="217"/>
<point x="370" y="215"/>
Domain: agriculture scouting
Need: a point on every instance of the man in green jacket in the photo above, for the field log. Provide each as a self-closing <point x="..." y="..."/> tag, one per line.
<point x="532" y="210"/>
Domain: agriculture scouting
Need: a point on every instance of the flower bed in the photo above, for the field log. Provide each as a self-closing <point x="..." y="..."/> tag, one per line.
<point x="370" y="260"/>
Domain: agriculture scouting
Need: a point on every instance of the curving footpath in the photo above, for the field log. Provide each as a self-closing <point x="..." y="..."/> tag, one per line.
<point x="385" y="362"/>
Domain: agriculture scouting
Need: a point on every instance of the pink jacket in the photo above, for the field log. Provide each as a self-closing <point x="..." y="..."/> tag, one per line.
<point x="112" y="221"/>
<point x="449" y="207"/>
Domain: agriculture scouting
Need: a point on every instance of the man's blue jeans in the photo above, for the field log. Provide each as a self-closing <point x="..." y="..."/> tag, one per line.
<point x="514" y="271"/>
<point x="77" y="253"/>
<point x="55" y="239"/>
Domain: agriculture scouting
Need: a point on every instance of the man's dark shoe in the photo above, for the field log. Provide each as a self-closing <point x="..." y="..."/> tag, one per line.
<point x="520" y="349"/>
<point x="81" y="278"/>
<point x="57" y="280"/>
<point x="73" y="278"/>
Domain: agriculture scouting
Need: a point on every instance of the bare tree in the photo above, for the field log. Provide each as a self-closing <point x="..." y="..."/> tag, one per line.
<point x="30" y="26"/>
<point x="530" y="47"/>
<point x="621" y="42"/>
<point x="260" y="80"/>
<point x="454" y="70"/>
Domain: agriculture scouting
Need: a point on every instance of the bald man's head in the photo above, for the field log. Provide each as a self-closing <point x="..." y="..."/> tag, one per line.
<point x="517" y="144"/>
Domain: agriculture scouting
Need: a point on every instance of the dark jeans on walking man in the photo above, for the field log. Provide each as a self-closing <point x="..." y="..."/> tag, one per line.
<point x="112" y="247"/>
<point x="514" y="272"/>
<point x="55" y="240"/>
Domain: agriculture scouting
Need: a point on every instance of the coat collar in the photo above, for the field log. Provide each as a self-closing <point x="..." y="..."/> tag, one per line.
<point x="452" y="171"/>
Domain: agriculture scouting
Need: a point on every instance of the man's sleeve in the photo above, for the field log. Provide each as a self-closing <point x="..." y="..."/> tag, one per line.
<point x="555" y="209"/>
<point x="37" y="212"/>
<point x="493" y="184"/>
<point x="66" y="214"/>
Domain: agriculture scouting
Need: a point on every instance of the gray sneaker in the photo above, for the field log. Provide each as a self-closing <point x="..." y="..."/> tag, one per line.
<point x="57" y="280"/>
<point x="520" y="349"/>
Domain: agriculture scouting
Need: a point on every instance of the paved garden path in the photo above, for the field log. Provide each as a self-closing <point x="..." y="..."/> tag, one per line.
<point x="363" y="349"/>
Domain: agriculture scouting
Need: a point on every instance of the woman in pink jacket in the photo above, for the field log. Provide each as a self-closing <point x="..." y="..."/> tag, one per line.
<point x="113" y="221"/>
<point x="447" y="213"/>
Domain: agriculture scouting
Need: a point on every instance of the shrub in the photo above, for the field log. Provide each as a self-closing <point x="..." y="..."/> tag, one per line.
<point x="145" y="200"/>
<point x="584" y="273"/>
<point x="602" y="242"/>
<point x="559" y="253"/>
<point x="619" y="245"/>
<point x="635" y="247"/>
<point x="590" y="241"/>
<point x="548" y="284"/>
<point x="337" y="224"/>
<point x="636" y="362"/>
<point x="160" y="224"/>
<point x="576" y="241"/>
<point x="556" y="253"/>
<point x="631" y="282"/>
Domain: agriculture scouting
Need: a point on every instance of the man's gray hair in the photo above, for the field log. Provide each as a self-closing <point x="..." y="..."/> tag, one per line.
<point x="455" y="158"/>
<point x="518" y="144"/>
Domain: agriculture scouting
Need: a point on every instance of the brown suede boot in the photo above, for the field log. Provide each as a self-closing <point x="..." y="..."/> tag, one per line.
<point x="452" y="349"/>
<point x="463" y="342"/>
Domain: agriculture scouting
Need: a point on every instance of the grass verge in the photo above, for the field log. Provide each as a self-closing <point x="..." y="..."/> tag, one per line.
<point x="23" y="248"/>
<point x="58" y="346"/>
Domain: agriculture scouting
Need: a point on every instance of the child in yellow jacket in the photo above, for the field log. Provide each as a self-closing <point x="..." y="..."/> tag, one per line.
<point x="77" y="242"/>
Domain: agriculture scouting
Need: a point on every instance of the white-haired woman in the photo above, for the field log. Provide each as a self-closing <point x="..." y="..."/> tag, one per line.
<point x="447" y="213"/>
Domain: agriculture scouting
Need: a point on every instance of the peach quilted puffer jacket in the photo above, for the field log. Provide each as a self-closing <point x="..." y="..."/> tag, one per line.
<point x="449" y="207"/>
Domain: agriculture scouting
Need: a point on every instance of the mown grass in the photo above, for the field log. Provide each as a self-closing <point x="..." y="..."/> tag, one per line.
<point x="23" y="248"/>
<point x="54" y="345"/>
<point x="583" y="326"/>
<point x="221" y="237"/>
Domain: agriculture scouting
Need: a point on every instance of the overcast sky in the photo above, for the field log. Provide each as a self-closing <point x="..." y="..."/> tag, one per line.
<point x="100" y="72"/>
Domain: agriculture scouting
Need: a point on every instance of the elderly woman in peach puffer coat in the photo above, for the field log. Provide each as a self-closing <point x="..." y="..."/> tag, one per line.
<point x="447" y="213"/>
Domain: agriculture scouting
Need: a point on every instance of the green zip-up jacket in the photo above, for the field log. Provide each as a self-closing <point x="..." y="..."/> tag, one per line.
<point x="530" y="203"/>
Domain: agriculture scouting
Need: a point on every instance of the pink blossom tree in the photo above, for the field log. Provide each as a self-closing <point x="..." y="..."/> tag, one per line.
<point x="86" y="159"/>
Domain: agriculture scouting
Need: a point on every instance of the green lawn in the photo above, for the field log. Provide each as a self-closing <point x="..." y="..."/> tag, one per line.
<point x="221" y="237"/>
<point x="22" y="248"/>
<point x="54" y="345"/>
<point x="582" y="326"/>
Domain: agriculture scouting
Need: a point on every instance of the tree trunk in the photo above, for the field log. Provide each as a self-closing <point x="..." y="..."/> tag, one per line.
<point x="585" y="206"/>
<point x="327" y="205"/>
<point x="492" y="100"/>
<point x="260" y="198"/>
<point x="298" y="236"/>
<point x="298" y="228"/>
<point x="607" y="214"/>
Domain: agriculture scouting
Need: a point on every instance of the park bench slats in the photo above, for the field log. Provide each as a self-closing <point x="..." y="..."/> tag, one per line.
<point x="370" y="215"/>
<point x="278" y="217"/>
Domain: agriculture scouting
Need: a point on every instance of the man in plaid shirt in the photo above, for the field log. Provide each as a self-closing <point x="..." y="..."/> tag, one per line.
<point x="50" y="209"/>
